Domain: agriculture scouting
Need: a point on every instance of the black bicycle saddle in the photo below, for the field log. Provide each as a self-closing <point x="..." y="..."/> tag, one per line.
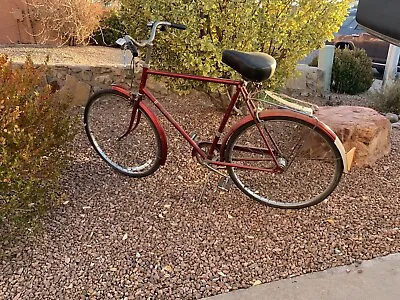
<point x="253" y="66"/>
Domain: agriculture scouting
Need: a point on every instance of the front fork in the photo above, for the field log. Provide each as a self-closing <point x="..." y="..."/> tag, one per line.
<point x="135" y="99"/>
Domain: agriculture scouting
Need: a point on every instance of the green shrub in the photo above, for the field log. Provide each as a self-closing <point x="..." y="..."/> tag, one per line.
<point x="351" y="71"/>
<point x="388" y="99"/>
<point x="288" y="30"/>
<point x="314" y="62"/>
<point x="34" y="127"/>
<point x="111" y="29"/>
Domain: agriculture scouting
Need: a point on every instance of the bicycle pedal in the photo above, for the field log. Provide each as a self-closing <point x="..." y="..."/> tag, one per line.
<point x="225" y="183"/>
<point x="193" y="135"/>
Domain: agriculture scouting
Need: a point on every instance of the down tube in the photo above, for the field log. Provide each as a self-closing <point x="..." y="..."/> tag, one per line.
<point x="172" y="120"/>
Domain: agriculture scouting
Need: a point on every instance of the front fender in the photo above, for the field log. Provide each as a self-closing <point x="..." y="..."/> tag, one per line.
<point x="153" y="118"/>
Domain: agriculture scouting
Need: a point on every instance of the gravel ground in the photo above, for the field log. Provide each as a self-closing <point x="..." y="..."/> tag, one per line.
<point x="153" y="238"/>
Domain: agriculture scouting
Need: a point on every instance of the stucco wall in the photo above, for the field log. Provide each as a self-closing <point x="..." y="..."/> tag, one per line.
<point x="15" y="25"/>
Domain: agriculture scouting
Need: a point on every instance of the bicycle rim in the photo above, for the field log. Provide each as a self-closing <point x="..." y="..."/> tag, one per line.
<point x="312" y="164"/>
<point x="107" y="119"/>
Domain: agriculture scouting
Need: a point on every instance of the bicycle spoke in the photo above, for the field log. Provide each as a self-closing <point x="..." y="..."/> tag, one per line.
<point x="309" y="161"/>
<point x="136" y="152"/>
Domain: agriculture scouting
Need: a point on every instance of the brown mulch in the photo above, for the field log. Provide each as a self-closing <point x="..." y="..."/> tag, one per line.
<point x="115" y="237"/>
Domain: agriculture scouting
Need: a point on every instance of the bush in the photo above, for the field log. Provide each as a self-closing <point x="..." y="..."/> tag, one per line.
<point x="34" y="127"/>
<point x="314" y="62"/>
<point x="65" y="21"/>
<point x="111" y="29"/>
<point x="351" y="71"/>
<point x="287" y="30"/>
<point x="388" y="99"/>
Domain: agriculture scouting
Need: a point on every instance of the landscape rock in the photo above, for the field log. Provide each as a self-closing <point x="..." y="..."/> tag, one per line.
<point x="75" y="91"/>
<point x="393" y="118"/>
<point x="396" y="125"/>
<point x="359" y="127"/>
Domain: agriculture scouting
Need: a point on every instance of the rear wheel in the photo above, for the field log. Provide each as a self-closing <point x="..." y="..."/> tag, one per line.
<point x="107" y="118"/>
<point x="311" y="163"/>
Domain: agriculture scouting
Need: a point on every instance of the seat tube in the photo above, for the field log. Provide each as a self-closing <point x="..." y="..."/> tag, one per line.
<point x="228" y="112"/>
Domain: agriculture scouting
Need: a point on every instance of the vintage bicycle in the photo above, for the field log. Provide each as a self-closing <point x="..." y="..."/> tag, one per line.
<point x="284" y="157"/>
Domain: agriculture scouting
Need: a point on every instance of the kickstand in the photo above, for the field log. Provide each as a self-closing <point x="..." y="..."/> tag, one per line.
<point x="205" y="186"/>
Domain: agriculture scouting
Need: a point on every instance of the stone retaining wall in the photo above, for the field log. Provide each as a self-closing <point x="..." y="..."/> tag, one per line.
<point x="80" y="81"/>
<point x="310" y="80"/>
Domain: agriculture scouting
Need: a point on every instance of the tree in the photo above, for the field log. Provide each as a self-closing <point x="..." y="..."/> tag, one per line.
<point x="286" y="29"/>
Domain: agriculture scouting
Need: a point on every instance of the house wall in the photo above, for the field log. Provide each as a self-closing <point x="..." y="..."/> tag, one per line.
<point x="15" y="25"/>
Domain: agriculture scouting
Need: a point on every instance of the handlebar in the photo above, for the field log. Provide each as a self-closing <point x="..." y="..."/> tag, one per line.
<point x="154" y="25"/>
<point x="127" y="42"/>
<point x="178" y="26"/>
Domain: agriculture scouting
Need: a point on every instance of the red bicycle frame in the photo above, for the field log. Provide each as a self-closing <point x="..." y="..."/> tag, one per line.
<point x="240" y="90"/>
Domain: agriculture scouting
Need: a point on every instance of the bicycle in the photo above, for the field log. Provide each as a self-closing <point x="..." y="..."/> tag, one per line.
<point x="284" y="157"/>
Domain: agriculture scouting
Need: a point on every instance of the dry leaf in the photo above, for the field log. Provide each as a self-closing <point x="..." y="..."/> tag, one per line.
<point x="113" y="269"/>
<point x="125" y="237"/>
<point x="331" y="221"/>
<point x="167" y="205"/>
<point x="86" y="207"/>
<point x="180" y="177"/>
<point x="257" y="282"/>
<point x="229" y="216"/>
<point x="220" y="273"/>
<point x="167" y="268"/>
<point x="250" y="237"/>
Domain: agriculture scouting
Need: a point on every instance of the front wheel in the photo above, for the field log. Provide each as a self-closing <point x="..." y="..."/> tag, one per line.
<point x="311" y="163"/>
<point x="134" y="150"/>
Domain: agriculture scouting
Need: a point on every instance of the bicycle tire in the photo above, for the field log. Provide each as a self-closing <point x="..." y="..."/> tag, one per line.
<point x="107" y="117"/>
<point x="301" y="147"/>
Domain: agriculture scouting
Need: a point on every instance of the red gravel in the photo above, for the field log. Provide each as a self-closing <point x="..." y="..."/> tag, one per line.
<point x="153" y="238"/>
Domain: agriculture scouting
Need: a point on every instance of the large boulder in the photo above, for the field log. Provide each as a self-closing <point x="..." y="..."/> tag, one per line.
<point x="75" y="91"/>
<point x="359" y="127"/>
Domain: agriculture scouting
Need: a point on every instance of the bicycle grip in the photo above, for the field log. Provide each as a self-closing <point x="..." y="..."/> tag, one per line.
<point x="133" y="49"/>
<point x="178" y="26"/>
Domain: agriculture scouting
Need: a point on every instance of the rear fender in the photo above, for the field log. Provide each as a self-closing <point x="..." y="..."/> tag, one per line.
<point x="346" y="157"/>
<point x="153" y="118"/>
